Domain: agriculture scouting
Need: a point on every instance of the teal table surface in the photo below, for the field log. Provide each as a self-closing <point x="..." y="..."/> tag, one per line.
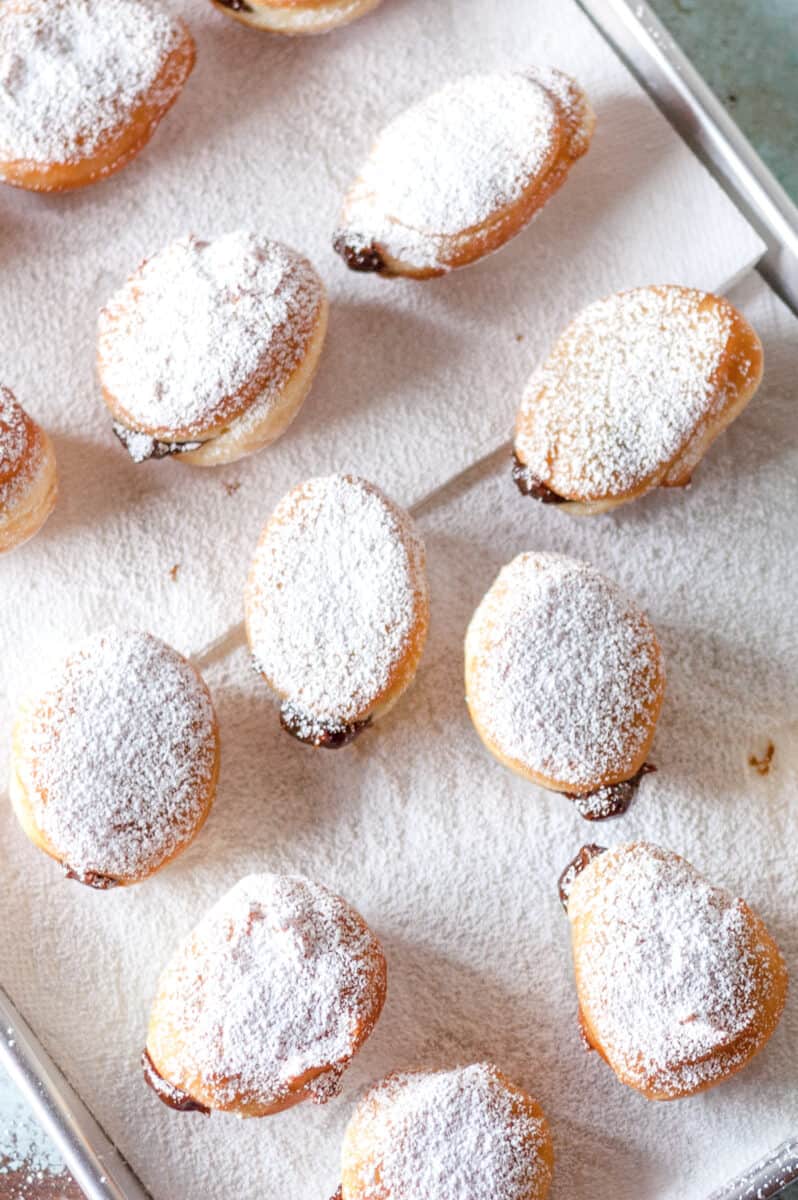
<point x="747" y="50"/>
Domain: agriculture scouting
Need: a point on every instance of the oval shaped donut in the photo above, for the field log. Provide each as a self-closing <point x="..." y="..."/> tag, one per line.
<point x="679" y="983"/>
<point x="209" y="349"/>
<point x="296" y="17"/>
<point x="85" y="84"/>
<point x="432" y="1135"/>
<point x="267" y="1000"/>
<point x="28" y="479"/>
<point x="564" y="679"/>
<point x="633" y="394"/>
<point x="337" y="607"/>
<point x="114" y="761"/>
<point x="460" y="173"/>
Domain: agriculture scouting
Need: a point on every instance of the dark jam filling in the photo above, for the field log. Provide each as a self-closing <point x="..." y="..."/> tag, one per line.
<point x="140" y="447"/>
<point x="316" y="733"/>
<point x="359" y="258"/>
<point x="610" y="801"/>
<point x="575" y="867"/>
<point x="171" y="1096"/>
<point x="92" y="879"/>
<point x="529" y="485"/>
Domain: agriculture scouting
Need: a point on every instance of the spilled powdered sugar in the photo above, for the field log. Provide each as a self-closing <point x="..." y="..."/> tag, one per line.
<point x="334" y="596"/>
<point x="452" y="1135"/>
<point x="199" y="322"/>
<point x="116" y="755"/>
<point x="670" y="973"/>
<point x="15" y="443"/>
<point x="563" y="670"/>
<point x="623" y="390"/>
<point x="446" y="164"/>
<point x="73" y="72"/>
<point x="280" y="979"/>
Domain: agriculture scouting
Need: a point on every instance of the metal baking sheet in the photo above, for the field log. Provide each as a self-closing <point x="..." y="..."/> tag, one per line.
<point x="681" y="93"/>
<point x="695" y="112"/>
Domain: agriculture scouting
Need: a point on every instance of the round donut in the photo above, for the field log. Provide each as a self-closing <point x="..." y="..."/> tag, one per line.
<point x="460" y="173"/>
<point x="467" y="1132"/>
<point x="337" y="607"/>
<point x="632" y="396"/>
<point x="85" y="84"/>
<point x="296" y="17"/>
<point x="209" y="349"/>
<point x="564" y="680"/>
<point x="679" y="983"/>
<point x="114" y="762"/>
<point x="28" y="479"/>
<point x="266" y="1001"/>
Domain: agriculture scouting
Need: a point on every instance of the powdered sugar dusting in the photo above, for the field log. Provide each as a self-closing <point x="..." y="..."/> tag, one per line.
<point x="15" y="443"/>
<point x="453" y="1134"/>
<point x="562" y="670"/>
<point x="335" y="592"/>
<point x="204" y="328"/>
<point x="670" y="974"/>
<point x="73" y="71"/>
<point x="447" y="163"/>
<point x="623" y="390"/>
<point x="117" y="753"/>
<point x="281" y="979"/>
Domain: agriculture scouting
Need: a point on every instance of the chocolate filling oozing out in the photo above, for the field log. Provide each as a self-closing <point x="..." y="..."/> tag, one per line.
<point x="140" y="446"/>
<point x="92" y="879"/>
<point x="359" y="258"/>
<point x="529" y="485"/>
<point x="171" y="1096"/>
<point x="316" y="733"/>
<point x="610" y="801"/>
<point x="574" y="868"/>
<point x="236" y="5"/>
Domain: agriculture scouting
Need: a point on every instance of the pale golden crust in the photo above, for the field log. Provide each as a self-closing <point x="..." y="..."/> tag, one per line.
<point x="28" y="479"/>
<point x="119" y="146"/>
<point x="674" y="1080"/>
<point x="481" y="702"/>
<point x="732" y="384"/>
<point x="362" y="1151"/>
<point x="402" y="670"/>
<point x="257" y="427"/>
<point x="237" y="421"/>
<point x="26" y="797"/>
<point x="296" y="17"/>
<point x="570" y="140"/>
<point x="168" y="1055"/>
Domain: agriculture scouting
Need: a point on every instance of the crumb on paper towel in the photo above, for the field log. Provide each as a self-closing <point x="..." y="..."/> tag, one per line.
<point x="762" y="765"/>
<point x="232" y="486"/>
<point x="174" y="572"/>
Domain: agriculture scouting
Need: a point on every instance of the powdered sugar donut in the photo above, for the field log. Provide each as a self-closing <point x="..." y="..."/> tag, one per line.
<point x="337" y="607"/>
<point x="459" y="174"/>
<point x="266" y="1001"/>
<point x="679" y="983"/>
<point x="635" y="391"/>
<point x="28" y="480"/>
<point x="83" y="86"/>
<point x="296" y="16"/>
<point x="444" y="1134"/>
<point x="209" y="349"/>
<point x="114" y="762"/>
<point x="564" y="680"/>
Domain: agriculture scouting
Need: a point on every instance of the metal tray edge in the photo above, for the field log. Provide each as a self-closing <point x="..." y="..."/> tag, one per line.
<point x="695" y="112"/>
